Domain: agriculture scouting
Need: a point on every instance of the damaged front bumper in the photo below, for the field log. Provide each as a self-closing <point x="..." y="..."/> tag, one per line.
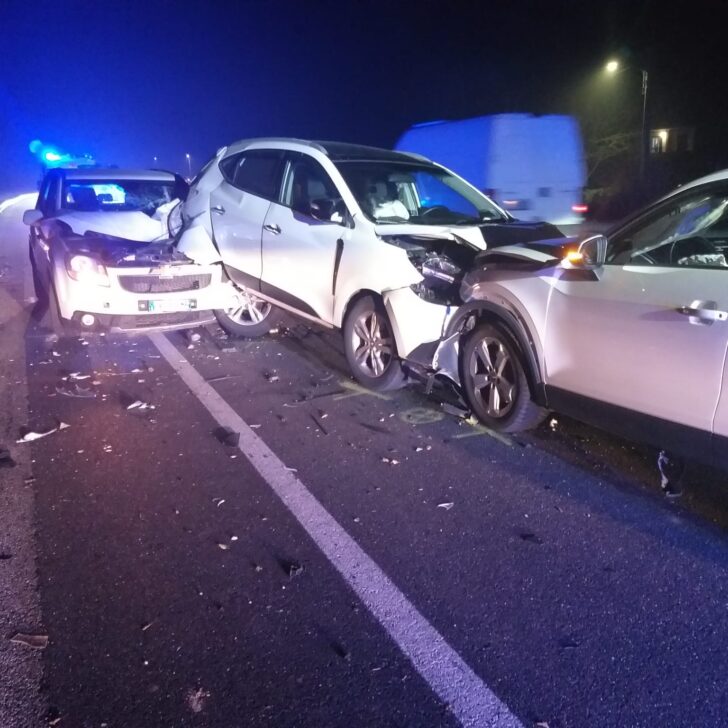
<point x="144" y="298"/>
<point x="420" y="330"/>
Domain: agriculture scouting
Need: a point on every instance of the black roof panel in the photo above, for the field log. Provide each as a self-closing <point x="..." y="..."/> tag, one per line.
<point x="339" y="151"/>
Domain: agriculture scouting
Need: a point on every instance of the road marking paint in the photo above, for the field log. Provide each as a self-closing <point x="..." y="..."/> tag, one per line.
<point x="479" y="430"/>
<point x="356" y="390"/>
<point x="470" y="700"/>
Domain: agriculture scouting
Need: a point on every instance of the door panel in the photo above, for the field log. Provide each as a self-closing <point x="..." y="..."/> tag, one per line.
<point x="622" y="340"/>
<point x="237" y="222"/>
<point x="299" y="260"/>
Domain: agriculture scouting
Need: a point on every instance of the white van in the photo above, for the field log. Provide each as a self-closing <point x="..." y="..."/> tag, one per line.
<point x="533" y="166"/>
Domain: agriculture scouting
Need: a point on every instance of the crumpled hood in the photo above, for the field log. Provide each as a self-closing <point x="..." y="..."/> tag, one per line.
<point x="113" y="251"/>
<point x="479" y="237"/>
<point x="128" y="224"/>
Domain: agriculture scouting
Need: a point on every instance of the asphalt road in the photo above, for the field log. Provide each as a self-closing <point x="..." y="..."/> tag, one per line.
<point x="358" y="559"/>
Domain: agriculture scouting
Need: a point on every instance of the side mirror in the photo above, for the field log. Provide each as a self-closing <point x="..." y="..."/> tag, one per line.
<point x="322" y="209"/>
<point x="32" y="217"/>
<point x="592" y="253"/>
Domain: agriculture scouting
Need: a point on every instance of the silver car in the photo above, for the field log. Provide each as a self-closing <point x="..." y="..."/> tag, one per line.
<point x="627" y="331"/>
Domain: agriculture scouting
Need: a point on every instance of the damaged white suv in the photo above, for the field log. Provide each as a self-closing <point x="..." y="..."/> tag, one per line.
<point x="368" y="240"/>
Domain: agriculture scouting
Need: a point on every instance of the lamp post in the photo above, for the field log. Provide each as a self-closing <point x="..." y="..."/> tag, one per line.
<point x="189" y="165"/>
<point x="613" y="67"/>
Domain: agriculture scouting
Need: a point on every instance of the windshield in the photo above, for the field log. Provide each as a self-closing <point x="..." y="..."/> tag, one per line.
<point x="88" y="195"/>
<point x="396" y="192"/>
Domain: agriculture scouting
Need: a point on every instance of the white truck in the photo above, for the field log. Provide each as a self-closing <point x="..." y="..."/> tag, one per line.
<point x="533" y="166"/>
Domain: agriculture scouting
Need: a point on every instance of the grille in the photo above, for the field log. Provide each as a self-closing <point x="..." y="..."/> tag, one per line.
<point x="156" y="284"/>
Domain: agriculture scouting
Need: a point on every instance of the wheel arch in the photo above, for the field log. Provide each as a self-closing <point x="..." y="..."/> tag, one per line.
<point x="488" y="312"/>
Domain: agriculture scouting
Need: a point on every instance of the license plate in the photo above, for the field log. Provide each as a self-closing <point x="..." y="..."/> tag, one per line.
<point x="170" y="305"/>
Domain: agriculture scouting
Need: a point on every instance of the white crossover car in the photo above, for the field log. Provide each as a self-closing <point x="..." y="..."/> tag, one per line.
<point x="103" y="258"/>
<point x="367" y="240"/>
<point x="627" y="331"/>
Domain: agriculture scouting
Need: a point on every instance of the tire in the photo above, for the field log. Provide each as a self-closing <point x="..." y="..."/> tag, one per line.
<point x="60" y="326"/>
<point x="41" y="292"/>
<point x="370" y="347"/>
<point x="251" y="317"/>
<point x="494" y="381"/>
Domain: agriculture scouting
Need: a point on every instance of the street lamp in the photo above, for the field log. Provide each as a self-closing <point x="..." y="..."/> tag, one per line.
<point x="189" y="165"/>
<point x="155" y="161"/>
<point x="611" y="68"/>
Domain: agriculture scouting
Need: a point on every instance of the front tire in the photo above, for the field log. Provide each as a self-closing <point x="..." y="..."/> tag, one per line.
<point x="494" y="381"/>
<point x="370" y="347"/>
<point x="249" y="317"/>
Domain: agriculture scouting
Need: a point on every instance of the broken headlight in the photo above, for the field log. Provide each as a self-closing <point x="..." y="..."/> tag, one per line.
<point x="441" y="279"/>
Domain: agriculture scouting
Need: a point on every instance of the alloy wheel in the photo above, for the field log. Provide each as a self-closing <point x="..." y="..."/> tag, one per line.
<point x="248" y="309"/>
<point x="372" y="344"/>
<point x="494" y="377"/>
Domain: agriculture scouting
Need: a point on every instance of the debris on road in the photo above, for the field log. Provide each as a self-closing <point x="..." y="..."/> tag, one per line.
<point x="271" y="376"/>
<point x="390" y="461"/>
<point x="456" y="410"/>
<point x="553" y="424"/>
<point x="530" y="537"/>
<point x="30" y="435"/>
<point x="319" y="424"/>
<point x="224" y="546"/>
<point x="77" y="392"/>
<point x="6" y="461"/>
<point x="34" y="641"/>
<point x="227" y="436"/>
<point x="446" y="506"/>
<point x="295" y="569"/>
<point x="671" y="470"/>
<point x="196" y="699"/>
<point x="218" y="501"/>
<point x="137" y="404"/>
<point x="147" y="625"/>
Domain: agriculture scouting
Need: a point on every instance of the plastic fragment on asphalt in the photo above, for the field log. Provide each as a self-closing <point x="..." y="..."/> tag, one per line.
<point x="77" y="376"/>
<point x="139" y="405"/>
<point x="292" y="470"/>
<point x="218" y="501"/>
<point x="77" y="392"/>
<point x="530" y="537"/>
<point x="227" y="436"/>
<point x="271" y="377"/>
<point x="233" y="538"/>
<point x="253" y="427"/>
<point x="390" y="461"/>
<point x="553" y="423"/>
<point x="31" y="435"/>
<point x="224" y="546"/>
<point x="295" y="569"/>
<point x="34" y="641"/>
<point x="196" y="699"/>
<point x="446" y="506"/>
<point x="6" y="461"/>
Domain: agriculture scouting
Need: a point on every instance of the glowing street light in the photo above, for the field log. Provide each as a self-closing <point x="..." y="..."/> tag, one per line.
<point x="189" y="165"/>
<point x="611" y="68"/>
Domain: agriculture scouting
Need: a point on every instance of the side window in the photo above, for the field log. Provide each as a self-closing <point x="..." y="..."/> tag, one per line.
<point x="257" y="171"/>
<point x="690" y="231"/>
<point x="307" y="181"/>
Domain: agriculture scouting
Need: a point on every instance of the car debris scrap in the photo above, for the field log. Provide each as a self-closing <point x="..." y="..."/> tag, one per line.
<point x="31" y="435"/>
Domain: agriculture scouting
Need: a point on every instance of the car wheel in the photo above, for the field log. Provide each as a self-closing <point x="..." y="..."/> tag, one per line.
<point x="370" y="347"/>
<point x="494" y="381"/>
<point x="41" y="292"/>
<point x="250" y="316"/>
<point x="59" y="325"/>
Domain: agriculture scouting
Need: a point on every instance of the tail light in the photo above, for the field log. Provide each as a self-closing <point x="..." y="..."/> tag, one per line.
<point x="581" y="208"/>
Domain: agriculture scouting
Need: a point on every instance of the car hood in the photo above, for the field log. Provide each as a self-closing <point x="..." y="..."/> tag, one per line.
<point x="130" y="225"/>
<point x="476" y="237"/>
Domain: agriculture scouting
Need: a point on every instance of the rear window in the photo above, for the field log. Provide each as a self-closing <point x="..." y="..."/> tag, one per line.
<point x="89" y="195"/>
<point x="257" y="171"/>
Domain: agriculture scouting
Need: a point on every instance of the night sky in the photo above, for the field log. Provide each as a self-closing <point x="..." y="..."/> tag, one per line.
<point x="131" y="80"/>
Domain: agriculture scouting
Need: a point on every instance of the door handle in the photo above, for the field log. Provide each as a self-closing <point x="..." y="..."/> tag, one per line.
<point x="706" y="311"/>
<point x="272" y="229"/>
<point x="218" y="210"/>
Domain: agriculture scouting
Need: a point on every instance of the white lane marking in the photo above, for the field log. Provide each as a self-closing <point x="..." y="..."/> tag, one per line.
<point x="471" y="701"/>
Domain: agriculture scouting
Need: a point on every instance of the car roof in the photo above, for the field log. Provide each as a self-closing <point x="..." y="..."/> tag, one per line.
<point x="111" y="173"/>
<point x="336" y="151"/>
